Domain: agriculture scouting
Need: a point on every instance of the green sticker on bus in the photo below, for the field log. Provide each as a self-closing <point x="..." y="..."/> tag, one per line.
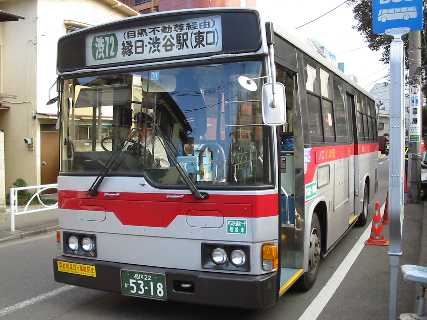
<point x="237" y="226"/>
<point x="105" y="46"/>
<point x="310" y="191"/>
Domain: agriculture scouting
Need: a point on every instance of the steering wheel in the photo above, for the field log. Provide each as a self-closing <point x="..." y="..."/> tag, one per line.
<point x="104" y="140"/>
<point x="218" y="158"/>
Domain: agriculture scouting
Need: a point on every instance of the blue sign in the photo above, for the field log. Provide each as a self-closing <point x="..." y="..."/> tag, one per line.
<point x="393" y="14"/>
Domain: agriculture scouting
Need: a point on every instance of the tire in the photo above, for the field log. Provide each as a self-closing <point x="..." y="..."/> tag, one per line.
<point x="314" y="256"/>
<point x="363" y="216"/>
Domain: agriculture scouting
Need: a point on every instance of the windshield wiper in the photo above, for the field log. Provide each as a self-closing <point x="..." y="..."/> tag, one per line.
<point x="169" y="148"/>
<point x="93" y="190"/>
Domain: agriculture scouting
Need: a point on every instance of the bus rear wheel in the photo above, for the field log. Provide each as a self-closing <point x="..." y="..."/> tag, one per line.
<point x="363" y="216"/>
<point x="314" y="255"/>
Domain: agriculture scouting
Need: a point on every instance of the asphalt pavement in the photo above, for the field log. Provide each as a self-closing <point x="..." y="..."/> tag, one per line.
<point x="29" y="292"/>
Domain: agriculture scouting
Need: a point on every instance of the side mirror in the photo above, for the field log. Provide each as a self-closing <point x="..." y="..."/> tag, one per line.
<point x="273" y="104"/>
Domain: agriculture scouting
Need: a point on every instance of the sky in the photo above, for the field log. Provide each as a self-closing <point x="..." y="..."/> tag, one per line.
<point x="335" y="31"/>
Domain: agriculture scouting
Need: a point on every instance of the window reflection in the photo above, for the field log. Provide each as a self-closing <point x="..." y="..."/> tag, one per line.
<point x="213" y="123"/>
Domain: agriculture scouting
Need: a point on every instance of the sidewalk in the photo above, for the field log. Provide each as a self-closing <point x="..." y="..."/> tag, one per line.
<point x="364" y="292"/>
<point x="27" y="225"/>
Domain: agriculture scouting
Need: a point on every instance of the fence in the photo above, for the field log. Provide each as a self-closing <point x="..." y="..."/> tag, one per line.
<point x="16" y="209"/>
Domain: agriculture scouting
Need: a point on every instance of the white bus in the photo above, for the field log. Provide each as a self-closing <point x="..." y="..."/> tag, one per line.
<point x="177" y="184"/>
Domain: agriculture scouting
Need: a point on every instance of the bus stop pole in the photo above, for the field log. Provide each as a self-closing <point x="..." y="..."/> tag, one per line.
<point x="396" y="170"/>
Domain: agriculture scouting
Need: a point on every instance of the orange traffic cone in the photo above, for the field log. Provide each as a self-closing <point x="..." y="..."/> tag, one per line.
<point x="376" y="238"/>
<point x="385" y="215"/>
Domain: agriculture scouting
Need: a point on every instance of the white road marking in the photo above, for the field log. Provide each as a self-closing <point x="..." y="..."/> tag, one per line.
<point x="327" y="292"/>
<point x="34" y="300"/>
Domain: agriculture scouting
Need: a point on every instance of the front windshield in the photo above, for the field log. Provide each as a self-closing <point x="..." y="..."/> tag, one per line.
<point x="210" y="115"/>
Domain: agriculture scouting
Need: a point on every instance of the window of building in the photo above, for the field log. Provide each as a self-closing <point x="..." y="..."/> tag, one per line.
<point x="138" y="2"/>
<point x="71" y="25"/>
<point x="380" y="125"/>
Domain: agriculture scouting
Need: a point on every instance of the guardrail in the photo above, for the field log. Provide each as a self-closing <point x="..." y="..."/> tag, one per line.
<point x="16" y="209"/>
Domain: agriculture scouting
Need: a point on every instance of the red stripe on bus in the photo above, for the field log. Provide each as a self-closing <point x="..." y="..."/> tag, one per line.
<point x="324" y="154"/>
<point x="159" y="209"/>
<point x="366" y="148"/>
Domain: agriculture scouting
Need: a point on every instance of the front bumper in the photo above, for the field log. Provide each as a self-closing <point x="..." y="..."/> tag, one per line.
<point x="210" y="288"/>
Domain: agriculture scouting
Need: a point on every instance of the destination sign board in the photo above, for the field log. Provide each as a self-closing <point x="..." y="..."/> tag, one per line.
<point x="184" y="37"/>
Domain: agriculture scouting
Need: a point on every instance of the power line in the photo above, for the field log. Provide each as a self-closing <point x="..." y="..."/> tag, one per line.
<point x="352" y="50"/>
<point x="322" y="15"/>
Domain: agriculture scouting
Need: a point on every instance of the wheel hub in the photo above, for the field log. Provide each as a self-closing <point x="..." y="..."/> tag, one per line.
<point x="314" y="257"/>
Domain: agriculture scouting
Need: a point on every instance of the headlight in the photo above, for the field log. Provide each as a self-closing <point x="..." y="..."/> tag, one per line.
<point x="222" y="256"/>
<point x="87" y="244"/>
<point x="73" y="243"/>
<point x="79" y="244"/>
<point x="238" y="257"/>
<point x="219" y="256"/>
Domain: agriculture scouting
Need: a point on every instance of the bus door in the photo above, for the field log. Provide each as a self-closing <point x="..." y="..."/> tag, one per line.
<point x="290" y="249"/>
<point x="351" y="103"/>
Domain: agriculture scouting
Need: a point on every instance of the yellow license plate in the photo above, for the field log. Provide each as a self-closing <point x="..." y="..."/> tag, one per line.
<point x="76" y="268"/>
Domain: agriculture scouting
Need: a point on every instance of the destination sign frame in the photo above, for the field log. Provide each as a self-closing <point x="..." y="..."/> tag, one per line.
<point x="72" y="49"/>
<point x="162" y="40"/>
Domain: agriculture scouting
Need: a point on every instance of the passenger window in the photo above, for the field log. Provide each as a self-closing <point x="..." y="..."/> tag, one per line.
<point x="373" y="130"/>
<point x="287" y="78"/>
<point x="359" y="119"/>
<point x="366" y="119"/>
<point x="312" y="82"/>
<point x="328" y="120"/>
<point x="315" y="117"/>
<point x="325" y="84"/>
<point x="340" y="112"/>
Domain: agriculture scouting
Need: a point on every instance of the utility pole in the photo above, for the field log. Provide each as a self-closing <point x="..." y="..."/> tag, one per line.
<point x="415" y="109"/>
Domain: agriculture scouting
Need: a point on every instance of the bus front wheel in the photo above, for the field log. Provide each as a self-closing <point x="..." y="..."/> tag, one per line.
<point x="363" y="216"/>
<point x="314" y="255"/>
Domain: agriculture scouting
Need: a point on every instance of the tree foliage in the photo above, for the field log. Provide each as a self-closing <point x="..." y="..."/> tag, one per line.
<point x="362" y="11"/>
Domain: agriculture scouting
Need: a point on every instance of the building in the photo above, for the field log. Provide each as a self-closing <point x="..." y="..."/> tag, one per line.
<point x="143" y="6"/>
<point x="146" y="6"/>
<point x="27" y="79"/>
<point x="4" y="17"/>
<point x="381" y="93"/>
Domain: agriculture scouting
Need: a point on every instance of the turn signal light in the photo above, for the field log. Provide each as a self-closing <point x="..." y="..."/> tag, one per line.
<point x="58" y="236"/>
<point x="270" y="257"/>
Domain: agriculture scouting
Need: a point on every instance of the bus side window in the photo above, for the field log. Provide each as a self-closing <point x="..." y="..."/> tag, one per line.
<point x="340" y="111"/>
<point x="371" y="105"/>
<point x="327" y="108"/>
<point x="312" y="86"/>
<point x="287" y="78"/>
<point x="359" y="119"/>
<point x="366" y="123"/>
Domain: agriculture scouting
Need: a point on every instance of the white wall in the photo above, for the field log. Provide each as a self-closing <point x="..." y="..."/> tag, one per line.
<point x="50" y="25"/>
<point x="18" y="88"/>
<point x="2" y="172"/>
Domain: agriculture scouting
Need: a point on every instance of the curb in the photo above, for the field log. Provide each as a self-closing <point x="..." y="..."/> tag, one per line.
<point x="26" y="234"/>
